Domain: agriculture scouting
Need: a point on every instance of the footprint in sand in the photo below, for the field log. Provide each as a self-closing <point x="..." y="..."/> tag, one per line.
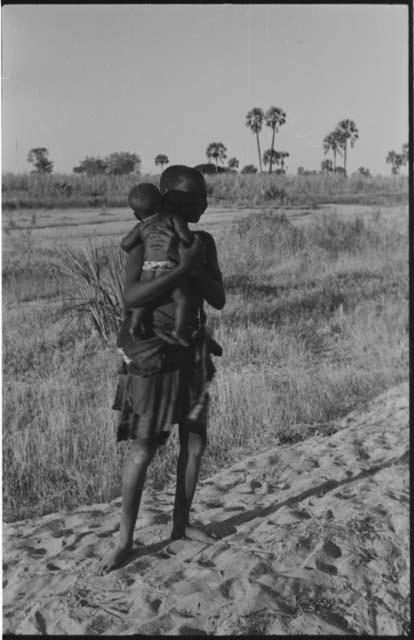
<point x="212" y="503"/>
<point x="332" y="549"/>
<point x="107" y="534"/>
<point x="326" y="568"/>
<point x="329" y="552"/>
<point x="60" y="533"/>
<point x="33" y="551"/>
<point x="301" y="514"/>
<point x="160" y="518"/>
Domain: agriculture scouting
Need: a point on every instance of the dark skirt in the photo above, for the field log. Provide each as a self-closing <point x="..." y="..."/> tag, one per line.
<point x="162" y="385"/>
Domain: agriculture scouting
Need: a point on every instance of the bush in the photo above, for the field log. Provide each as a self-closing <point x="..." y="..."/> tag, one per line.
<point x="97" y="275"/>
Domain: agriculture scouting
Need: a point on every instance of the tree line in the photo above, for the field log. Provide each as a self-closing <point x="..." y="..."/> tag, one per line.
<point x="338" y="142"/>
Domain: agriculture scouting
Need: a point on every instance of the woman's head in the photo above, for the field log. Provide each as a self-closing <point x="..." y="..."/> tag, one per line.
<point x="184" y="191"/>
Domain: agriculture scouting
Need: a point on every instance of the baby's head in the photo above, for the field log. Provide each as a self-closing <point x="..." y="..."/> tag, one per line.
<point x="145" y="200"/>
<point x="184" y="191"/>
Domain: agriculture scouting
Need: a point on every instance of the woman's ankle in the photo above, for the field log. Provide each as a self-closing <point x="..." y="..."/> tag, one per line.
<point x="124" y="542"/>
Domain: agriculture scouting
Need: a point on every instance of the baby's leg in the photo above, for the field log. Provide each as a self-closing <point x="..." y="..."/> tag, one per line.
<point x="181" y="297"/>
<point x="137" y="317"/>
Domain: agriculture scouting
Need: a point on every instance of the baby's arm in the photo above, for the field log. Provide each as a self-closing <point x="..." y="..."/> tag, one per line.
<point x="131" y="239"/>
<point x="182" y="230"/>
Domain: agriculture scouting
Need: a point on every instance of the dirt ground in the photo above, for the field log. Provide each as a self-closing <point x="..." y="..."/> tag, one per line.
<point x="312" y="538"/>
<point x="73" y="227"/>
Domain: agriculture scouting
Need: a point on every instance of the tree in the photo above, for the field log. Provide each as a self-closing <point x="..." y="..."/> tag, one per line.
<point x="405" y="153"/>
<point x="122" y="162"/>
<point x="38" y="157"/>
<point x="281" y="155"/>
<point x="254" y="120"/>
<point x="300" y="171"/>
<point x="396" y="161"/>
<point x="347" y="130"/>
<point x="331" y="142"/>
<point x="362" y="171"/>
<point x="326" y="165"/>
<point x="209" y="169"/>
<point x="249" y="168"/>
<point x="161" y="159"/>
<point x="233" y="164"/>
<point x="216" y="150"/>
<point x="274" y="117"/>
<point x="91" y="166"/>
<point x="270" y="156"/>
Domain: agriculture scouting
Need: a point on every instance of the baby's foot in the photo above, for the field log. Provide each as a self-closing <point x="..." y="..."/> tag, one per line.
<point x="138" y="330"/>
<point x="115" y="559"/>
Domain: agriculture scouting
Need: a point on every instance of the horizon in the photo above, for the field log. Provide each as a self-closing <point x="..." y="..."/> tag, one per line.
<point x="89" y="80"/>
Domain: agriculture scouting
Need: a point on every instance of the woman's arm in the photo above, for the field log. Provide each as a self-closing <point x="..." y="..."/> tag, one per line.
<point x="181" y="230"/>
<point x="138" y="294"/>
<point x="207" y="279"/>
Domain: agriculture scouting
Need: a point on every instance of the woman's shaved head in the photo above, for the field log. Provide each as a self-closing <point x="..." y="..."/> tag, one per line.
<point x="184" y="190"/>
<point x="178" y="177"/>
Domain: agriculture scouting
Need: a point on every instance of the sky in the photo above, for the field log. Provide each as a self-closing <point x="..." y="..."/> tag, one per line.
<point x="91" y="79"/>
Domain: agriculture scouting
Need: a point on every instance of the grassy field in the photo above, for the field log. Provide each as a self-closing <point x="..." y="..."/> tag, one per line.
<point x="33" y="191"/>
<point x="315" y="325"/>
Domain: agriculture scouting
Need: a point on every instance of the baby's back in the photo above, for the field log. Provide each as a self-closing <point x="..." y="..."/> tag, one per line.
<point x="159" y="238"/>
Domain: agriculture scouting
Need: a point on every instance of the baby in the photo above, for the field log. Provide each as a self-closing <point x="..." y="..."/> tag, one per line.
<point x="160" y="232"/>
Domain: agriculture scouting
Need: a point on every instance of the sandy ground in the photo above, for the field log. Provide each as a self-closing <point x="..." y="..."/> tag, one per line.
<point x="313" y="539"/>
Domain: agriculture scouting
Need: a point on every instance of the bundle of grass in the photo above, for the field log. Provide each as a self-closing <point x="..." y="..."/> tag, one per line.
<point x="97" y="274"/>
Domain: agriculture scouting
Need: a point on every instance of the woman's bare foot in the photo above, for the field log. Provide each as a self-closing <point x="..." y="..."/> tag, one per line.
<point x="115" y="558"/>
<point x="194" y="533"/>
<point x="199" y="534"/>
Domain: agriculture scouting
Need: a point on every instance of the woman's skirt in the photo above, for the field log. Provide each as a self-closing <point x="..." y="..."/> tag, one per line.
<point x="162" y="385"/>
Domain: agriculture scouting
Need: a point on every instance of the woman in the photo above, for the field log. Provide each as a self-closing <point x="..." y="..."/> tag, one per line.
<point x="165" y="384"/>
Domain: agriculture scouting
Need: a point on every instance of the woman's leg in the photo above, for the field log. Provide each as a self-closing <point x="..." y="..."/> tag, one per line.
<point x="139" y="457"/>
<point x="192" y="445"/>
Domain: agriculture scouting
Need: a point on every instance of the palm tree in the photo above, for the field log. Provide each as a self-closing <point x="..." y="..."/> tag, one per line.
<point x="363" y="171"/>
<point x="216" y="150"/>
<point x="331" y="142"/>
<point x="281" y="155"/>
<point x="161" y="159"/>
<point x="395" y="160"/>
<point x="405" y="153"/>
<point x="326" y="165"/>
<point x="347" y="130"/>
<point x="254" y="120"/>
<point x="233" y="164"/>
<point x="270" y="156"/>
<point x="274" y="117"/>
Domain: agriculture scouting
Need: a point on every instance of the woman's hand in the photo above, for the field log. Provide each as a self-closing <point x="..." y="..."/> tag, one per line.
<point x="190" y="257"/>
<point x="207" y="278"/>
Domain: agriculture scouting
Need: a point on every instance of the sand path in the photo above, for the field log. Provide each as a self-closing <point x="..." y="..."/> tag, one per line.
<point x="313" y="539"/>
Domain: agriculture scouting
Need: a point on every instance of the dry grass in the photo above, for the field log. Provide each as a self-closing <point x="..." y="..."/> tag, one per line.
<point x="33" y="191"/>
<point x="315" y="325"/>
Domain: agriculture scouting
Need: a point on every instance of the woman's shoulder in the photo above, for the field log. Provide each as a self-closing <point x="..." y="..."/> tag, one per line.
<point x="206" y="237"/>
